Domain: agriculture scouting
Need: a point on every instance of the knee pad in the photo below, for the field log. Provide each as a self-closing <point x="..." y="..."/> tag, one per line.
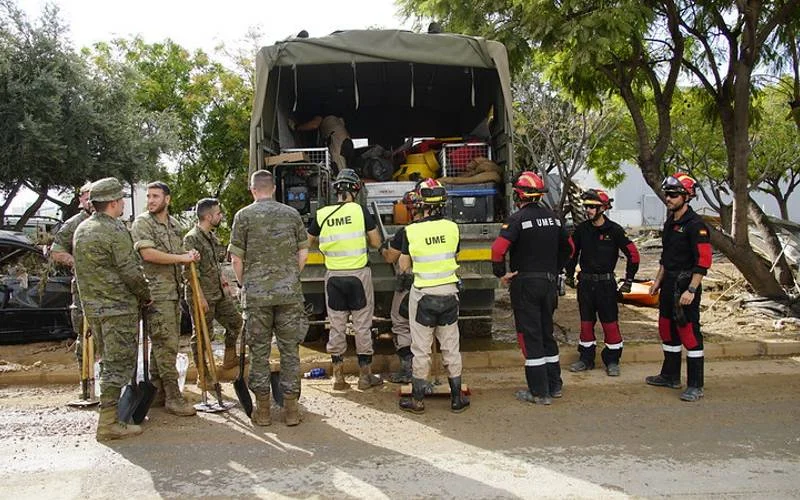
<point x="437" y="310"/>
<point x="345" y="293"/>
<point x="403" y="309"/>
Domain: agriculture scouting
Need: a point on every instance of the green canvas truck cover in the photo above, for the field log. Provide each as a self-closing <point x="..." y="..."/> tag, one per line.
<point x="366" y="46"/>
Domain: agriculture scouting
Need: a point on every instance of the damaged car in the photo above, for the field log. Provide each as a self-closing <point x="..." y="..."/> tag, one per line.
<point x="35" y="295"/>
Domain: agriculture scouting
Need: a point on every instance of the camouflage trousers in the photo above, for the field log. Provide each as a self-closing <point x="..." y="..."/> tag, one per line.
<point x="118" y="336"/>
<point x="289" y="323"/>
<point x="164" y="331"/>
<point x="224" y="311"/>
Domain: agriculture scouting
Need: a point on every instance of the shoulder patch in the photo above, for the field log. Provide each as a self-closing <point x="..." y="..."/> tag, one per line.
<point x="526" y="224"/>
<point x="702" y="232"/>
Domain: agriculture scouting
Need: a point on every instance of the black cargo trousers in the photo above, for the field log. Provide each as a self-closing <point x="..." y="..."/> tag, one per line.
<point x="534" y="298"/>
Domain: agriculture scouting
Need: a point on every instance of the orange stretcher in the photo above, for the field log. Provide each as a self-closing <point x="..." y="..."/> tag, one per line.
<point x="640" y="295"/>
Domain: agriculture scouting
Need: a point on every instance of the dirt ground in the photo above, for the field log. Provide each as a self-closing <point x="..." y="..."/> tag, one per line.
<point x="721" y="317"/>
<point x="606" y="438"/>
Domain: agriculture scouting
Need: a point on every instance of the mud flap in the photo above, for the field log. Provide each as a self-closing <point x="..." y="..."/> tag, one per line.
<point x="437" y="310"/>
<point x="345" y="293"/>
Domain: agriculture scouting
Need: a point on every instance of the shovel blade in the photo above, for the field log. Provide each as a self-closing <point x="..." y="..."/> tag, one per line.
<point x="275" y="387"/>
<point x="243" y="395"/>
<point x="128" y="402"/>
<point x="147" y="392"/>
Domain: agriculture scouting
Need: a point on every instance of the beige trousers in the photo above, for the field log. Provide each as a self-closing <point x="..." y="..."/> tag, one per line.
<point x="422" y="336"/>
<point x="361" y="319"/>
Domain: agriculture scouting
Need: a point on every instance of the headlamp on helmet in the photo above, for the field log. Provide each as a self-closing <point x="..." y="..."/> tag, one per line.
<point x="680" y="183"/>
<point x="347" y="182"/>
<point x="596" y="198"/>
<point x="432" y="192"/>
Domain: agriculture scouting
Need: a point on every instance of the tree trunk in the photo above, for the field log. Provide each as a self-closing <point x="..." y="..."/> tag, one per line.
<point x="30" y="212"/>
<point x="783" y="207"/>
<point x="726" y="217"/>
<point x="773" y="245"/>
<point x="7" y="203"/>
<point x="752" y="267"/>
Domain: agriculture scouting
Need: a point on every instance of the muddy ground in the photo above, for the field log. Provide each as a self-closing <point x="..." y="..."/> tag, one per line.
<point x="606" y="438"/>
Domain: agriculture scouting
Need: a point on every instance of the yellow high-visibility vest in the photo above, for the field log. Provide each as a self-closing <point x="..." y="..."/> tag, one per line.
<point x="343" y="237"/>
<point x="432" y="246"/>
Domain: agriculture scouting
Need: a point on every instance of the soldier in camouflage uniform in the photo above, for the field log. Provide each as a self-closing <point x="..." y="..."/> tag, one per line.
<point x="157" y="238"/>
<point x="112" y="288"/>
<point x="61" y="253"/>
<point x="215" y="301"/>
<point x="269" y="248"/>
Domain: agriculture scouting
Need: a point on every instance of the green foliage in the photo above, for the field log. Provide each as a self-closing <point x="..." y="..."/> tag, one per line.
<point x="63" y="121"/>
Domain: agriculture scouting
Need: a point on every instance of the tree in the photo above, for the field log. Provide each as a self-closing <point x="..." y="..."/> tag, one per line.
<point x="553" y="135"/>
<point x="63" y="123"/>
<point x="637" y="49"/>
<point x="210" y="105"/>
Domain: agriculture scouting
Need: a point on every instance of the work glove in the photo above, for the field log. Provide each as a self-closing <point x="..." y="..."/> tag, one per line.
<point x="404" y="282"/>
<point x="570" y="281"/>
<point x="625" y="287"/>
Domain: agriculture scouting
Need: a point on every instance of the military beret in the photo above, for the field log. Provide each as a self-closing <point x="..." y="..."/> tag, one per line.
<point x="108" y="189"/>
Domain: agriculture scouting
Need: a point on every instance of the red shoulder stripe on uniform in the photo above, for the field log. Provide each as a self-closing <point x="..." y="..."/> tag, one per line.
<point x="499" y="249"/>
<point x="704" y="255"/>
<point x="634" y="258"/>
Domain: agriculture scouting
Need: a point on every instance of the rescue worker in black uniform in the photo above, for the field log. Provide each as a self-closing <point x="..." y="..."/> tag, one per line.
<point x="597" y="242"/>
<point x="539" y="247"/>
<point x="685" y="259"/>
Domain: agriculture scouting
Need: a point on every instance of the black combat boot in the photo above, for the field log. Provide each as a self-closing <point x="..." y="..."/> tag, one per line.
<point x="415" y="403"/>
<point x="458" y="402"/>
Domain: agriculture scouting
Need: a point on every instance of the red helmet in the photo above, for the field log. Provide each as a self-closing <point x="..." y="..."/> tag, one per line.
<point x="529" y="186"/>
<point x="680" y="183"/>
<point x="432" y="192"/>
<point x="596" y="197"/>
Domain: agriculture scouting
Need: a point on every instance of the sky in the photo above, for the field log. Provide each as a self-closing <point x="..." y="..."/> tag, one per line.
<point x="204" y="24"/>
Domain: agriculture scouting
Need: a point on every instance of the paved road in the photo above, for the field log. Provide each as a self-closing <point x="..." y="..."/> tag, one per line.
<point x="607" y="438"/>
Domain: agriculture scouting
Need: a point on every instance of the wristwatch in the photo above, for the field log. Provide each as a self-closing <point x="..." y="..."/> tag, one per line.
<point x="691" y="289"/>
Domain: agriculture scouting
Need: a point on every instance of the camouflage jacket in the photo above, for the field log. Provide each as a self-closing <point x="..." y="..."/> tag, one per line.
<point x="148" y="232"/>
<point x="63" y="239"/>
<point x="208" y="270"/>
<point x="110" y="279"/>
<point x="267" y="235"/>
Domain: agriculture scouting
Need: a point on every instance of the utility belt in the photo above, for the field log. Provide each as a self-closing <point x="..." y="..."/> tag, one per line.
<point x="537" y="274"/>
<point x="596" y="277"/>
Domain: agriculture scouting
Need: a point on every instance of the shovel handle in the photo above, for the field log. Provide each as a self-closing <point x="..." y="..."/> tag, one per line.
<point x="201" y="357"/>
<point x="203" y="327"/>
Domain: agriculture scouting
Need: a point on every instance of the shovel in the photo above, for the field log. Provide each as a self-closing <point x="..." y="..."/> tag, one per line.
<point x="205" y="353"/>
<point x="130" y="396"/>
<point x="240" y="385"/>
<point x="87" y="371"/>
<point x="147" y="391"/>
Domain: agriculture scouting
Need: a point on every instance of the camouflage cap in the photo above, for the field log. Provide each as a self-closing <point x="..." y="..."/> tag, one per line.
<point x="108" y="189"/>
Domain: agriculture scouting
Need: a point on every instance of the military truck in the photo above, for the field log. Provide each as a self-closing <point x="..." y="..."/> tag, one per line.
<point x="396" y="89"/>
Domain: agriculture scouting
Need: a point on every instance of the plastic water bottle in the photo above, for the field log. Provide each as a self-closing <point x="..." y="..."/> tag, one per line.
<point x="182" y="365"/>
<point x="562" y="280"/>
<point x="315" y="373"/>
